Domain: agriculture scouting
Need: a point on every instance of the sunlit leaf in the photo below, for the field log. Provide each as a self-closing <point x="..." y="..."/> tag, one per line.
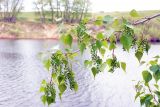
<point x="123" y="66"/>
<point x="134" y="13"/>
<point x="147" y="76"/>
<point x="100" y="36"/>
<point x="47" y="64"/>
<point x="82" y="47"/>
<point x="112" y="46"/>
<point x="126" y="41"/>
<point x="138" y="55"/>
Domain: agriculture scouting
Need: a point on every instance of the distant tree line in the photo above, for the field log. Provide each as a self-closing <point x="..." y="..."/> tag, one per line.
<point x="55" y="10"/>
<point x="62" y="10"/>
<point x="9" y="9"/>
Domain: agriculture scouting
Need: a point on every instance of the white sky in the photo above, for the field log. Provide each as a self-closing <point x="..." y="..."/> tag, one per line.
<point x="113" y="5"/>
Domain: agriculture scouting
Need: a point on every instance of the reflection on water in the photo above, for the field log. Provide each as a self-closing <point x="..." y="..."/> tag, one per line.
<point x="21" y="73"/>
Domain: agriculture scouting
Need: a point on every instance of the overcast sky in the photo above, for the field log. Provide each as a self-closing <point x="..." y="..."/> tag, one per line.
<point x="113" y="5"/>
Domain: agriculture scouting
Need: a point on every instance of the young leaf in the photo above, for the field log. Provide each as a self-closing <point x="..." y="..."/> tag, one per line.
<point x="138" y="94"/>
<point x="54" y="76"/>
<point x="82" y="47"/>
<point x="99" y="21"/>
<point x="75" y="86"/>
<point x="154" y="68"/>
<point x="47" y="64"/>
<point x="103" y="66"/>
<point x="98" y="44"/>
<point x="42" y="89"/>
<point x="134" y="13"/>
<point x="123" y="66"/>
<point x="126" y="41"/>
<point x="139" y="55"/>
<point x="100" y="36"/>
<point x="62" y="87"/>
<point x="94" y="71"/>
<point x="87" y="63"/>
<point x="68" y="40"/>
<point x="44" y="99"/>
<point x="112" y="46"/>
<point x="156" y="76"/>
<point x="146" y="76"/>
<point x="102" y="51"/>
<point x="105" y="44"/>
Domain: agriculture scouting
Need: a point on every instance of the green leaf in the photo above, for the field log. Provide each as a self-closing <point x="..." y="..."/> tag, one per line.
<point x="60" y="78"/>
<point x="72" y="55"/>
<point x="100" y="36"/>
<point x="82" y="47"/>
<point x="44" y="99"/>
<point x="154" y="62"/>
<point x="99" y="21"/>
<point x="126" y="41"/>
<point x="157" y="57"/>
<point x="115" y="23"/>
<point x="47" y="64"/>
<point x="146" y="76"/>
<point x="42" y="89"/>
<point x="108" y="19"/>
<point x="123" y="66"/>
<point x="158" y="94"/>
<point x="103" y="66"/>
<point x="109" y="61"/>
<point x="134" y="13"/>
<point x="98" y="44"/>
<point x="68" y="40"/>
<point x="75" y="86"/>
<point x="105" y="43"/>
<point x="94" y="71"/>
<point x="54" y="76"/>
<point x="62" y="87"/>
<point x="154" y="68"/>
<point x="139" y="55"/>
<point x="138" y="94"/>
<point x="87" y="63"/>
<point x="102" y="51"/>
<point x="156" y="86"/>
<point x="112" y="46"/>
<point x="146" y="100"/>
<point x="44" y="82"/>
<point x="156" y="76"/>
<point x="142" y="62"/>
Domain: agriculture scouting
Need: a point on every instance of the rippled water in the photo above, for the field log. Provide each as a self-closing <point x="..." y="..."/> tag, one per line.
<point x="21" y="73"/>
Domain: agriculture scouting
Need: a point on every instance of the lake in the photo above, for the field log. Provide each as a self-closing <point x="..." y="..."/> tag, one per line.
<point x="21" y="72"/>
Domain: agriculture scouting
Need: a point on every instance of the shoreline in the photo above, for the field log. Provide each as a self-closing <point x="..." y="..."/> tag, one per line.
<point x="152" y="40"/>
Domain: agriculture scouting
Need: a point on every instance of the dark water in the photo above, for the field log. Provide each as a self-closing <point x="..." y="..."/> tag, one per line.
<point x="21" y="73"/>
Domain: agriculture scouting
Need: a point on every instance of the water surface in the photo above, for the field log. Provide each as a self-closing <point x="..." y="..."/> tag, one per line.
<point x="21" y="73"/>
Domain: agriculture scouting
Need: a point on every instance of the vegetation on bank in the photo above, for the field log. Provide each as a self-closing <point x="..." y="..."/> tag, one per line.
<point x="29" y="26"/>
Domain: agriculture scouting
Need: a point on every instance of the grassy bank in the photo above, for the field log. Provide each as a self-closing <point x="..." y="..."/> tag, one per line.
<point x="29" y="26"/>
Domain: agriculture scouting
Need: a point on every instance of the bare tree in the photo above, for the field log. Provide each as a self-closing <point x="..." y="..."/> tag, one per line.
<point x="66" y="10"/>
<point x="10" y="9"/>
<point x="40" y="6"/>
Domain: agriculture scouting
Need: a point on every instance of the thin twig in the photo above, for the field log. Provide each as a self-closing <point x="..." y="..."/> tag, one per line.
<point x="143" y="20"/>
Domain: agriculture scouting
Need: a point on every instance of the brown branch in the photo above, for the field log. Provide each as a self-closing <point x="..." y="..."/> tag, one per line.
<point x="143" y="20"/>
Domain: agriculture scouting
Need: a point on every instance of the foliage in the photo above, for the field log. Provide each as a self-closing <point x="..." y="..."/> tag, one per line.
<point x="60" y="65"/>
<point x="61" y="76"/>
<point x="148" y="90"/>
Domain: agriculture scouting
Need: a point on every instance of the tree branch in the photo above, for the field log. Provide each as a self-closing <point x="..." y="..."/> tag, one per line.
<point x="143" y="20"/>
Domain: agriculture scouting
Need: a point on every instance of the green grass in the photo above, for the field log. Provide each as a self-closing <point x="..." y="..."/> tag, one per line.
<point x="151" y="29"/>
